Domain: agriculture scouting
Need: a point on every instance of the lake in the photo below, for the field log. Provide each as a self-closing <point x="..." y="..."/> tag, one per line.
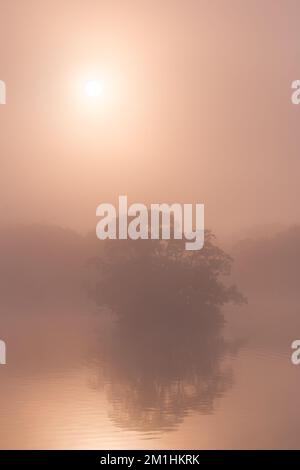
<point x="73" y="380"/>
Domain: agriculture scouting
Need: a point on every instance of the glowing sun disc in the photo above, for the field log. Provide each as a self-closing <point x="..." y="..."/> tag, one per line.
<point x="93" y="88"/>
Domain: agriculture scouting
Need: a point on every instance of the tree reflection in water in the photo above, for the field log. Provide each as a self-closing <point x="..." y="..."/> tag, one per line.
<point x="164" y="356"/>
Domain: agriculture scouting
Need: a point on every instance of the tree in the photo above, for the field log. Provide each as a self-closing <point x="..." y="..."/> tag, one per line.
<point x="147" y="281"/>
<point x="164" y="356"/>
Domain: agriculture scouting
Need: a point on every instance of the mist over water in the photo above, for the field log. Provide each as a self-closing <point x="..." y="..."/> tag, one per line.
<point x="92" y="369"/>
<point x="132" y="344"/>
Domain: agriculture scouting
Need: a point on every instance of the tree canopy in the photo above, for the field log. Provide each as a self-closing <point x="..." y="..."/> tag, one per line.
<point x="151" y="279"/>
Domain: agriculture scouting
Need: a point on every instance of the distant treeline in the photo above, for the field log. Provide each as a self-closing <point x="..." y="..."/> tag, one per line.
<point x="47" y="260"/>
<point x="269" y="265"/>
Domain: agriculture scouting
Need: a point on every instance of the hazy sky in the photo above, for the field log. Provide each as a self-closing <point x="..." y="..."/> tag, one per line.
<point x="195" y="108"/>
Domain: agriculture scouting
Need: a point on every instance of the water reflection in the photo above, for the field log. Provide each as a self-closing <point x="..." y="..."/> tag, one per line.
<point x="154" y="378"/>
<point x="164" y="356"/>
<point x="141" y="352"/>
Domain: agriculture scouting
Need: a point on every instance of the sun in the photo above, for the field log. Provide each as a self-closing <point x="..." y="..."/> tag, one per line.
<point x="93" y="88"/>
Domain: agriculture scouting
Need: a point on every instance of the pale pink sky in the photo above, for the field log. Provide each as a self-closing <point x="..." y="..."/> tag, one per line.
<point x="198" y="109"/>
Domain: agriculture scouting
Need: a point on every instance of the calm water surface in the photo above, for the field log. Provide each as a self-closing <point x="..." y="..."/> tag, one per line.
<point x="74" y="381"/>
